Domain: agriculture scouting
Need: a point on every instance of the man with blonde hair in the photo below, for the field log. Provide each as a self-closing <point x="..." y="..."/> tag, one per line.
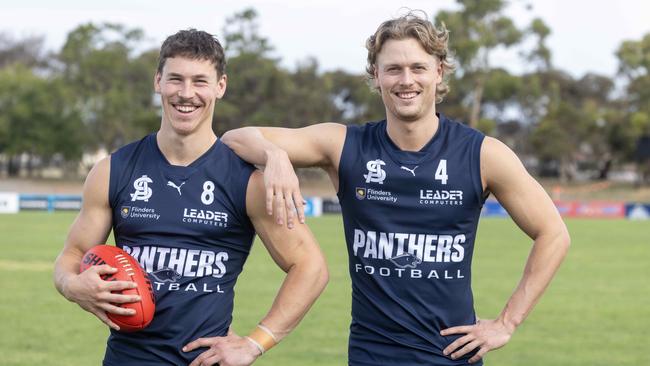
<point x="411" y="188"/>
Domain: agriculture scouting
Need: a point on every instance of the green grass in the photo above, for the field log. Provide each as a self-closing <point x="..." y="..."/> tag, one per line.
<point x="596" y="312"/>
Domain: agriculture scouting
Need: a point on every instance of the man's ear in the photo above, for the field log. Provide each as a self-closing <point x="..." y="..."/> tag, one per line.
<point x="222" y="83"/>
<point x="156" y="82"/>
<point x="375" y="77"/>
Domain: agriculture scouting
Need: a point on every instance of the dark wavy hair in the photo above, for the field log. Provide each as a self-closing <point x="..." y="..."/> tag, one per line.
<point x="196" y="45"/>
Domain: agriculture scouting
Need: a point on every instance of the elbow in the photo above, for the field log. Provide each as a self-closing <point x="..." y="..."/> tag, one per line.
<point x="322" y="275"/>
<point x="566" y="240"/>
<point x="231" y="137"/>
<point x="227" y="138"/>
<point x="563" y="241"/>
<point x="319" y="273"/>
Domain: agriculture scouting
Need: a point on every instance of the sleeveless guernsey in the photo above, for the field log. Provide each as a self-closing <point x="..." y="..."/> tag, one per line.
<point x="188" y="228"/>
<point x="410" y="222"/>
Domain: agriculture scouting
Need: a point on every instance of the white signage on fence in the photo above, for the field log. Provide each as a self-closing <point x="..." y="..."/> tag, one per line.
<point x="314" y="206"/>
<point x="9" y="202"/>
<point x="638" y="212"/>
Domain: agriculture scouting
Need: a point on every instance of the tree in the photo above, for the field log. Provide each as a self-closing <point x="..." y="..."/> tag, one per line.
<point x="36" y="119"/>
<point x="478" y="29"/>
<point x="355" y="99"/>
<point x="113" y="84"/>
<point x="634" y="66"/>
<point x="27" y="52"/>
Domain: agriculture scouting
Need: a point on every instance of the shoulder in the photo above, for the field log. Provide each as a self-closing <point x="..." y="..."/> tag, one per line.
<point x="493" y="149"/>
<point x="456" y="127"/>
<point x="368" y="126"/>
<point x="364" y="130"/>
<point x="126" y="154"/>
<point x="499" y="163"/>
<point x="100" y="171"/>
<point x="97" y="182"/>
<point x="224" y="151"/>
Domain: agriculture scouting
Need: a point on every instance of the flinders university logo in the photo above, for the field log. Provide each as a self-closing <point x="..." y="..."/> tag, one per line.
<point x="125" y="211"/>
<point x="142" y="190"/>
<point x="360" y="193"/>
<point x="375" y="172"/>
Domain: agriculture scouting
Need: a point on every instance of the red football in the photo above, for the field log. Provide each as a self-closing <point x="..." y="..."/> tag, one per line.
<point x="128" y="269"/>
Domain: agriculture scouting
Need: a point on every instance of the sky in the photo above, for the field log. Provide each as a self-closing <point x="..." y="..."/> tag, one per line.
<point x="585" y="34"/>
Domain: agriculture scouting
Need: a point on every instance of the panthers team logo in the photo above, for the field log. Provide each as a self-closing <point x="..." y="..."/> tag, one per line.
<point x="166" y="275"/>
<point x="360" y="193"/>
<point x="375" y="172"/>
<point x="406" y="260"/>
<point x="142" y="190"/>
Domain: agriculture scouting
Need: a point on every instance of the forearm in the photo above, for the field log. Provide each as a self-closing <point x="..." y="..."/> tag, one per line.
<point x="65" y="267"/>
<point x="303" y="284"/>
<point x="250" y="145"/>
<point x="545" y="257"/>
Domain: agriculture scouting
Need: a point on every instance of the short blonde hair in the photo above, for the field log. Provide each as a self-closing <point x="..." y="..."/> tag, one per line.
<point x="433" y="39"/>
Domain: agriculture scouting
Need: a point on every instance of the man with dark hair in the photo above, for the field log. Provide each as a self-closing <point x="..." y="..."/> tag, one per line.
<point x="411" y="189"/>
<point x="188" y="224"/>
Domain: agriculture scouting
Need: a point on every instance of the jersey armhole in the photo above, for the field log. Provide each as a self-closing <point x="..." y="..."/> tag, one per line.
<point x="343" y="163"/>
<point x="246" y="181"/>
<point x="113" y="179"/>
<point x="476" y="169"/>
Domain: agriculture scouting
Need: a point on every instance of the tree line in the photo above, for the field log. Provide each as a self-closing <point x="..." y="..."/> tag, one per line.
<point x="97" y="92"/>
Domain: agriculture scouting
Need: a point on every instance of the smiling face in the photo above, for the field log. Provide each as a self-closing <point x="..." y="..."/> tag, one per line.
<point x="407" y="76"/>
<point x="189" y="89"/>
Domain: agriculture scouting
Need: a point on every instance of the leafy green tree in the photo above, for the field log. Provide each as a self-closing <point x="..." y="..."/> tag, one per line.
<point x="634" y="65"/>
<point x="112" y="82"/>
<point x="36" y="118"/>
<point x="27" y="51"/>
<point x="260" y="92"/>
<point x="355" y="99"/>
<point x="478" y="29"/>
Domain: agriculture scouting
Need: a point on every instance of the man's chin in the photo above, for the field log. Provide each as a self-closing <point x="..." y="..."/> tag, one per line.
<point x="183" y="127"/>
<point x="408" y="116"/>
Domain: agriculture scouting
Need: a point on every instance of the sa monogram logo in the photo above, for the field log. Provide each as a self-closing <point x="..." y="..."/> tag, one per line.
<point x="375" y="173"/>
<point x="142" y="190"/>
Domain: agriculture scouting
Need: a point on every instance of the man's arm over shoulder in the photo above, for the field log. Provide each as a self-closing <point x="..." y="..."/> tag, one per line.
<point x="297" y="253"/>
<point x="316" y="145"/>
<point x="90" y="228"/>
<point x="534" y="212"/>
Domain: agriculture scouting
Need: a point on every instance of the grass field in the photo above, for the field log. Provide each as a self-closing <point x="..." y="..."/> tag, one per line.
<point x="596" y="312"/>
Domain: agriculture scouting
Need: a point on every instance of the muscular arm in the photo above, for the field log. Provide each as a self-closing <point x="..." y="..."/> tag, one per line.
<point x="297" y="253"/>
<point x="315" y="145"/>
<point x="90" y="228"/>
<point x="277" y="148"/>
<point x="534" y="212"/>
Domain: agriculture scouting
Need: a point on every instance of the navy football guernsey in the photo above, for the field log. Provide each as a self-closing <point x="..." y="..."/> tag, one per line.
<point x="188" y="228"/>
<point x="410" y="222"/>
